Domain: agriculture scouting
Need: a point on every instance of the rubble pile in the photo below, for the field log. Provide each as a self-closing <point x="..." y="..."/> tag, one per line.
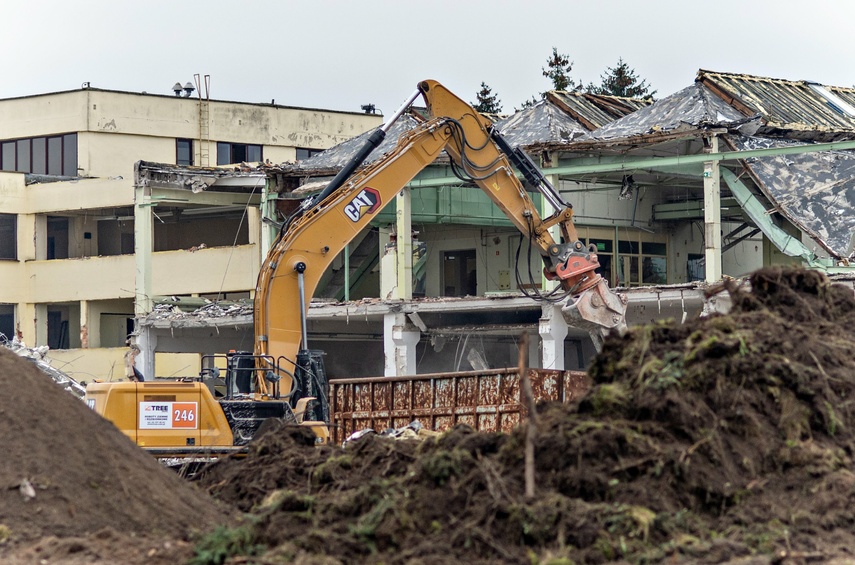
<point x="66" y="472"/>
<point x="38" y="355"/>
<point x="723" y="438"/>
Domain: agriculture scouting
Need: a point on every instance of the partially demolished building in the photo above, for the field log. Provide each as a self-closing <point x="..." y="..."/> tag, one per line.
<point x="71" y="240"/>
<point x="723" y="177"/>
<point x="730" y="174"/>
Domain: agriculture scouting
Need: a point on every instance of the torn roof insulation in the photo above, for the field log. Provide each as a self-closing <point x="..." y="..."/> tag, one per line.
<point x="335" y="158"/>
<point x="687" y="110"/>
<point x="539" y="124"/>
<point x="815" y="191"/>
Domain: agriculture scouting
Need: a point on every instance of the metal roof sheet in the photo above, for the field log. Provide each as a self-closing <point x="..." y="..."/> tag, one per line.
<point x="595" y="110"/>
<point x="786" y="104"/>
<point x="815" y="191"/>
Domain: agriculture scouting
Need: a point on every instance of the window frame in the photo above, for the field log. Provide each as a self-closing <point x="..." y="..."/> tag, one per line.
<point x="191" y="151"/>
<point x="13" y="222"/>
<point x="230" y="146"/>
<point x="57" y="149"/>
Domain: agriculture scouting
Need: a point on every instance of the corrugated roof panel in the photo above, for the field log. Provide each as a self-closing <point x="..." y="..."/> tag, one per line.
<point x="784" y="104"/>
<point x="595" y="110"/>
<point x="583" y="109"/>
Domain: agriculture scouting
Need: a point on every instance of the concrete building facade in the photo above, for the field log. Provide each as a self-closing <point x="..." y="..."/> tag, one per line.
<point x="68" y="215"/>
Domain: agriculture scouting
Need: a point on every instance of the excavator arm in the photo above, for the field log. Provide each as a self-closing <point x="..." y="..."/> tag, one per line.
<point x="313" y="237"/>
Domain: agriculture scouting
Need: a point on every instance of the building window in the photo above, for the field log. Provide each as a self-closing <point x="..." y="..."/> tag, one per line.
<point x="52" y="155"/>
<point x="183" y="151"/>
<point x="7" y="322"/>
<point x="635" y="258"/>
<point x="228" y="153"/>
<point x="8" y="236"/>
<point x="303" y="153"/>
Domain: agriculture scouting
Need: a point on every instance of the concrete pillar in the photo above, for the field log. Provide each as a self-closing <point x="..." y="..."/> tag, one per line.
<point x="267" y="210"/>
<point x="399" y="345"/>
<point x="40" y="237"/>
<point x="552" y="329"/>
<point x="546" y="211"/>
<point x="143" y="249"/>
<point x="85" y="326"/>
<point x="146" y="341"/>
<point x="27" y="236"/>
<point x="388" y="266"/>
<point x="24" y="312"/>
<point x="404" y="225"/>
<point x="712" y="216"/>
<point x="40" y="325"/>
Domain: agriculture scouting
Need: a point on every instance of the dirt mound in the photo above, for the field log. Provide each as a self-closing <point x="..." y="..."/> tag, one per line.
<point x="721" y="438"/>
<point x="67" y="472"/>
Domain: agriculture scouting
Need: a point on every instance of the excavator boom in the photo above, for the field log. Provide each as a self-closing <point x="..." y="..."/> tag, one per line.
<point x="310" y="241"/>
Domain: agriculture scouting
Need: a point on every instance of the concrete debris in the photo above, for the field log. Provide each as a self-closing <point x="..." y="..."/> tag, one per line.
<point x="38" y="356"/>
<point x="211" y="310"/>
<point x="26" y="489"/>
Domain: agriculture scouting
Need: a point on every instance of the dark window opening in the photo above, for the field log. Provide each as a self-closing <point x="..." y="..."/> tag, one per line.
<point x="303" y="153"/>
<point x="459" y="273"/>
<point x="8" y="236"/>
<point x="57" y="330"/>
<point x="183" y="151"/>
<point x="228" y="153"/>
<point x="7" y="322"/>
<point x="57" y="237"/>
<point x="696" y="267"/>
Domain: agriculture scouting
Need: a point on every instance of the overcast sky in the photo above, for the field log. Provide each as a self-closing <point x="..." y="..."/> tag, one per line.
<point x="340" y="55"/>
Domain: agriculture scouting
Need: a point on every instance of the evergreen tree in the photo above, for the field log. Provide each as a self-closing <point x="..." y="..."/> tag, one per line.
<point x="622" y="81"/>
<point x="488" y="102"/>
<point x="558" y="68"/>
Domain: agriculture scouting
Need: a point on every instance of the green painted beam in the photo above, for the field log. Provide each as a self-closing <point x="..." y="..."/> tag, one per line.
<point x="612" y="164"/>
<point x="678" y="160"/>
<point x="757" y="212"/>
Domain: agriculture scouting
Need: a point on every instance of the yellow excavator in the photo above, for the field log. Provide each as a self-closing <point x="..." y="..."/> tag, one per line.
<point x="282" y="377"/>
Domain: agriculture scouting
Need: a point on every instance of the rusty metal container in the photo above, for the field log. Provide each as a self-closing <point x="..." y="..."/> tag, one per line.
<point x="486" y="400"/>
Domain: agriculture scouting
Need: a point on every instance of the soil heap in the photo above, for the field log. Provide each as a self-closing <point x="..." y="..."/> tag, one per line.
<point x="722" y="438"/>
<point x="66" y="472"/>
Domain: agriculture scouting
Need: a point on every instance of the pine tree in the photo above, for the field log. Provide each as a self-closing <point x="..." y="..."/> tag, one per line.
<point x="622" y="81"/>
<point x="558" y="68"/>
<point x="488" y="103"/>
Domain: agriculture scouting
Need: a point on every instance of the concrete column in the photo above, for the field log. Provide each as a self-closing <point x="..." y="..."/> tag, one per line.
<point x="40" y="237"/>
<point x="399" y="345"/>
<point x="26" y="243"/>
<point x="40" y="323"/>
<point x="85" y="326"/>
<point x="255" y="229"/>
<point x="546" y="211"/>
<point x="268" y="230"/>
<point x="388" y="266"/>
<point x="712" y="216"/>
<point x="143" y="249"/>
<point x="553" y="330"/>
<point x="23" y="313"/>
<point x="146" y="341"/>
<point x="405" y="244"/>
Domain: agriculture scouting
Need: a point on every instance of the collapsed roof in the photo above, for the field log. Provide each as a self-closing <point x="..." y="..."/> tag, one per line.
<point x="812" y="190"/>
